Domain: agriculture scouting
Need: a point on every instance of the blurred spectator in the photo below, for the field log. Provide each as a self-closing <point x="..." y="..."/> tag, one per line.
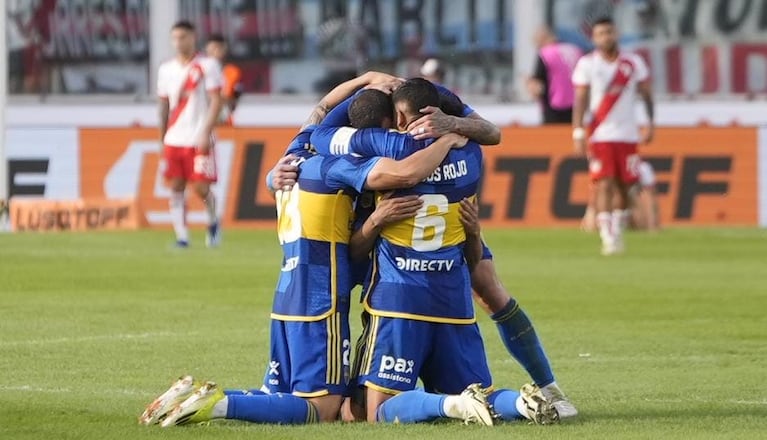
<point x="433" y="70"/>
<point x="551" y="83"/>
<point x="232" y="88"/>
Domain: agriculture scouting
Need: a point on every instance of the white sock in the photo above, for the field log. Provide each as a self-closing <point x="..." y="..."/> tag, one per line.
<point x="210" y="208"/>
<point x="604" y="223"/>
<point x="550" y="390"/>
<point x="619" y="220"/>
<point x="220" y="409"/>
<point x="452" y="407"/>
<point x="178" y="215"/>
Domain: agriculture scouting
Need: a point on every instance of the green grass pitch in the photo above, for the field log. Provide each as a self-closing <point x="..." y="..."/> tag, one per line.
<point x="668" y="341"/>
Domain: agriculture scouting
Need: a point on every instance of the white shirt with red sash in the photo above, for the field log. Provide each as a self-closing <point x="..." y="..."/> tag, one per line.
<point x="613" y="93"/>
<point x="186" y="87"/>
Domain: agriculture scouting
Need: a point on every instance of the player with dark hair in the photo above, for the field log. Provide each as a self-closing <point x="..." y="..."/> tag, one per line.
<point x="371" y="108"/>
<point x="306" y="377"/>
<point x="189" y="91"/>
<point x="516" y="330"/>
<point x="607" y="82"/>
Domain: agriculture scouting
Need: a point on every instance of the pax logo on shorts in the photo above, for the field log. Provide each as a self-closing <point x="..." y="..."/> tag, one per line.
<point x="273" y="368"/>
<point x="391" y="366"/>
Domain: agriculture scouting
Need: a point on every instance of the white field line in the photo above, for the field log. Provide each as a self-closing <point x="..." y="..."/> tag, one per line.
<point x="112" y="337"/>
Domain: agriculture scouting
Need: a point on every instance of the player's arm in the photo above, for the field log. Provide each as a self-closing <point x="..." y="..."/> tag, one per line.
<point x="472" y="250"/>
<point x="389" y="174"/>
<point x="580" y="104"/>
<point x="644" y="88"/>
<point x="388" y="210"/>
<point x="215" y="102"/>
<point x="164" y="111"/>
<point x="436" y="123"/>
<point x="343" y="91"/>
<point x="163" y="103"/>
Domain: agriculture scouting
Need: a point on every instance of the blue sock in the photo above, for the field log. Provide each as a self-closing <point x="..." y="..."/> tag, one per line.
<point x="253" y="392"/>
<point x="505" y="404"/>
<point x="411" y="407"/>
<point x="279" y="408"/>
<point x="520" y="339"/>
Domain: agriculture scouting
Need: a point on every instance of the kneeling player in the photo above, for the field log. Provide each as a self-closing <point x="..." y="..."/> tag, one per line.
<point x="516" y="329"/>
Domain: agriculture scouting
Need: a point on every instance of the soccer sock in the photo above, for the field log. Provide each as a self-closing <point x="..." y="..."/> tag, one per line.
<point x="253" y="392"/>
<point x="210" y="208"/>
<point x="505" y="403"/>
<point x="271" y="408"/>
<point x="521" y="340"/>
<point x="178" y="215"/>
<point x="412" y="407"/>
<point x="619" y="219"/>
<point x="604" y="223"/>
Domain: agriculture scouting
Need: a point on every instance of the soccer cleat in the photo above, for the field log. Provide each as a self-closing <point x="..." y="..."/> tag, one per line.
<point x="161" y="406"/>
<point x="535" y="407"/>
<point x="197" y="408"/>
<point x="557" y="399"/>
<point x="182" y="244"/>
<point x="213" y="236"/>
<point x="608" y="248"/>
<point x="474" y="407"/>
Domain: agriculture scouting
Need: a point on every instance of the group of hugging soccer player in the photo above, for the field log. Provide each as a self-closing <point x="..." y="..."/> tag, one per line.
<point x="378" y="189"/>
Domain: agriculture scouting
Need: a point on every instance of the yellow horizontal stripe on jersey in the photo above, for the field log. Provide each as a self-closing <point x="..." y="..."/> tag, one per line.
<point x="402" y="232"/>
<point x="320" y="211"/>
<point x="415" y="317"/>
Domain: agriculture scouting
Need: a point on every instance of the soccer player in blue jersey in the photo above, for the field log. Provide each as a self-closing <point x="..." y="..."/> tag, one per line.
<point x="516" y="329"/>
<point x="308" y="371"/>
<point x="422" y="321"/>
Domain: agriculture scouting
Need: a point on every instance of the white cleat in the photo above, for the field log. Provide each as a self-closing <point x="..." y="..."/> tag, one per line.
<point x="197" y="408"/>
<point x="167" y="401"/>
<point x="473" y="406"/>
<point x="535" y="407"/>
<point x="564" y="408"/>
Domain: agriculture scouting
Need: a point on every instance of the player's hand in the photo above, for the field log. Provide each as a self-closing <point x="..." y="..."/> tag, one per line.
<point x="648" y="132"/>
<point x="457" y="140"/>
<point x="469" y="211"/>
<point x="204" y="144"/>
<point x="388" y="86"/>
<point x="285" y="174"/>
<point x="374" y="77"/>
<point x="433" y="124"/>
<point x="580" y="147"/>
<point x="393" y="209"/>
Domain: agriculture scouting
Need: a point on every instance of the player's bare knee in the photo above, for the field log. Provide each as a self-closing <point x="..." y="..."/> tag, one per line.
<point x="177" y="185"/>
<point x="202" y="190"/>
<point x="328" y="407"/>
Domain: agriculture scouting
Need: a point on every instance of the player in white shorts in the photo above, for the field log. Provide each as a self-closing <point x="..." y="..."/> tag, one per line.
<point x="189" y="91"/>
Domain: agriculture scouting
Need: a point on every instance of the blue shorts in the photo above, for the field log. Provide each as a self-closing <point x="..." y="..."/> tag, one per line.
<point x="446" y="357"/>
<point x="486" y="254"/>
<point x="309" y="359"/>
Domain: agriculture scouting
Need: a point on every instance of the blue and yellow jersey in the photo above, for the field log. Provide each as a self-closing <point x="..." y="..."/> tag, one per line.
<point x="313" y="225"/>
<point x="419" y="271"/>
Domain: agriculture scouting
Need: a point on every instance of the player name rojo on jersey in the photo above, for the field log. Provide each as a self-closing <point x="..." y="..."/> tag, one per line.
<point x="449" y="171"/>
